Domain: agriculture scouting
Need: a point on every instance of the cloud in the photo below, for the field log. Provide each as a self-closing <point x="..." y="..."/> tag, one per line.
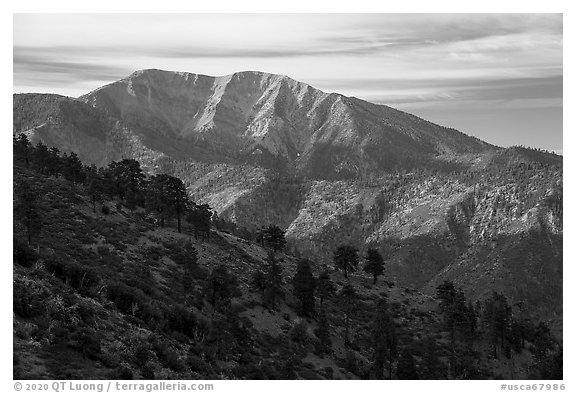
<point x="495" y="61"/>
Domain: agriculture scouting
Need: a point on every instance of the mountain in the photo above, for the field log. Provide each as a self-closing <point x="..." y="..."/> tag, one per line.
<point x="329" y="170"/>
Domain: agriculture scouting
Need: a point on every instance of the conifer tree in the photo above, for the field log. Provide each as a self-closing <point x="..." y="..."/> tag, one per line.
<point x="384" y="340"/>
<point x="126" y="175"/>
<point x="432" y="367"/>
<point x="177" y="198"/>
<point x="22" y="149"/>
<point x="26" y="209"/>
<point x="348" y="299"/>
<point x="325" y="288"/>
<point x="95" y="190"/>
<point x="497" y="318"/>
<point x="273" y="275"/>
<point x="346" y="259"/>
<point x="200" y="216"/>
<point x="258" y="281"/>
<point x="275" y="237"/>
<point x="374" y="263"/>
<point x="189" y="259"/>
<point x="220" y="287"/>
<point x="406" y="368"/>
<point x="323" y="333"/>
<point x="304" y="285"/>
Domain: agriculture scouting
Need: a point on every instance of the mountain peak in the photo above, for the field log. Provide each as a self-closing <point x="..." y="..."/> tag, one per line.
<point x="247" y="113"/>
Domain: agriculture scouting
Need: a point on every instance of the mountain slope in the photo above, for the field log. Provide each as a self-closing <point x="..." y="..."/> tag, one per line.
<point x="105" y="293"/>
<point x="248" y="114"/>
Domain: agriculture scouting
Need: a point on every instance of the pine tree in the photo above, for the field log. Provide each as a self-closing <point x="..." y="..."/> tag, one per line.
<point x="374" y="263"/>
<point x="220" y="287"/>
<point x="177" y="198"/>
<point x="126" y="175"/>
<point x="346" y="259"/>
<point x="22" y="149"/>
<point x="41" y="158"/>
<point x="273" y="275"/>
<point x="275" y="237"/>
<point x="190" y="263"/>
<point x="258" y="281"/>
<point x="384" y="340"/>
<point x="72" y="168"/>
<point x="95" y="190"/>
<point x="26" y="209"/>
<point x="304" y="285"/>
<point x="324" y="286"/>
<point x="348" y="299"/>
<point x="497" y="318"/>
<point x="323" y="333"/>
<point x="459" y="317"/>
<point x="406" y="368"/>
<point x="432" y="366"/>
<point x="131" y="200"/>
<point x="156" y="198"/>
<point x="200" y="216"/>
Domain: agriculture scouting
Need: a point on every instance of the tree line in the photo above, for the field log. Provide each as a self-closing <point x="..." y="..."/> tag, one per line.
<point x="163" y="195"/>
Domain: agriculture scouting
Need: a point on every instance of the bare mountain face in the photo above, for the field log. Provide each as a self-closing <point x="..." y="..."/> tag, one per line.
<point x="331" y="170"/>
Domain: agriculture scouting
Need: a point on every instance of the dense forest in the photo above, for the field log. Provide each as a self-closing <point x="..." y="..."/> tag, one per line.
<point x="119" y="274"/>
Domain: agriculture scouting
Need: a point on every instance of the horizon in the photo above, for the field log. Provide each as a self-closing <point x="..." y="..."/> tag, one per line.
<point x="497" y="77"/>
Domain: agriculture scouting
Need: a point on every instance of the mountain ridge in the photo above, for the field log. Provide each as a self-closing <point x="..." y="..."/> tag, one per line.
<point x="250" y="113"/>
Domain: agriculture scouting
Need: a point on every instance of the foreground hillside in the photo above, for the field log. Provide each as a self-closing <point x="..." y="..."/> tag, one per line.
<point x="103" y="292"/>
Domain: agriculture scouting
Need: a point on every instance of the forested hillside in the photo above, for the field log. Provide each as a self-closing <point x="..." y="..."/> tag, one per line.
<point x="119" y="274"/>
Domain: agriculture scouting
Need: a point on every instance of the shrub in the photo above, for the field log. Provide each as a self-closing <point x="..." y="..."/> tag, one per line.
<point x="148" y="371"/>
<point x="23" y="254"/>
<point x="72" y="273"/>
<point x="299" y="333"/>
<point x="29" y="297"/>
<point x="124" y="296"/>
<point x="181" y="320"/>
<point x="124" y="373"/>
<point x="105" y="210"/>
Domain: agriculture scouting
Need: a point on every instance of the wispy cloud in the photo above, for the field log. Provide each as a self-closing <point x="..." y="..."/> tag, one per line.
<point x="423" y="60"/>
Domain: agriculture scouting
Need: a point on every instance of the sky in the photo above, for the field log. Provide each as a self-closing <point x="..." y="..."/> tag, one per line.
<point x="498" y="77"/>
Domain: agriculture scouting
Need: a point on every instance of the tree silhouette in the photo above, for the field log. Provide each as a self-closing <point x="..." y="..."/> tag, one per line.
<point x="323" y="333"/>
<point x="273" y="274"/>
<point x="324" y="286"/>
<point x="384" y="340"/>
<point x="374" y="263"/>
<point x="200" y="216"/>
<point x="95" y="190"/>
<point x="72" y="168"/>
<point x="177" y="198"/>
<point x="220" y="287"/>
<point x="406" y="368"/>
<point x="459" y="317"/>
<point x="166" y="195"/>
<point x="275" y="238"/>
<point x="497" y="318"/>
<point x="126" y="175"/>
<point x="26" y="209"/>
<point x="346" y="259"/>
<point x="22" y="149"/>
<point x="348" y="299"/>
<point x="304" y="285"/>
